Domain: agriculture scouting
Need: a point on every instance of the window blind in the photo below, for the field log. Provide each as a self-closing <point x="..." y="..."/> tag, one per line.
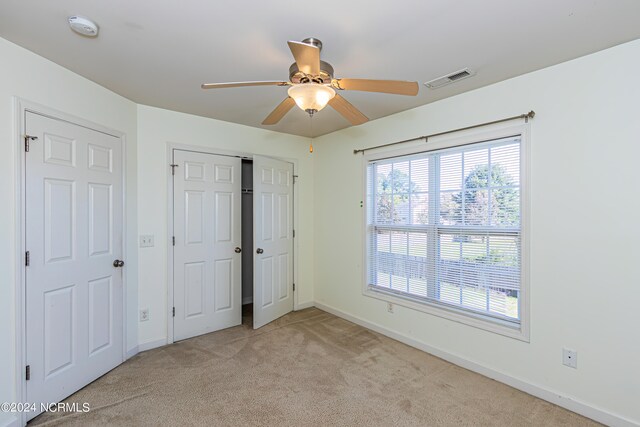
<point x="443" y="227"/>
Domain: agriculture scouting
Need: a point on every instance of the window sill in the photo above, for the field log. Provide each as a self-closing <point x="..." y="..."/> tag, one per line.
<point x="479" y="321"/>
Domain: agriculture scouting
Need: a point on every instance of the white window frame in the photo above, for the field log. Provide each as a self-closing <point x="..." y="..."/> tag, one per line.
<point x="477" y="320"/>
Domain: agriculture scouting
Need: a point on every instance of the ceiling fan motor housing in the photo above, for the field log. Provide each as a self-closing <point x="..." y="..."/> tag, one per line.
<point x="326" y="74"/>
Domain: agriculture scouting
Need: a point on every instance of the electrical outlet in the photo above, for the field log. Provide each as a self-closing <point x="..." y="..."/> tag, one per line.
<point x="390" y="307"/>
<point x="570" y="358"/>
<point x="146" y="241"/>
<point x="144" y="314"/>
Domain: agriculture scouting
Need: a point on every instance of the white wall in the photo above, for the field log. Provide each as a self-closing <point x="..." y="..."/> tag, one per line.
<point x="157" y="127"/>
<point x="585" y="232"/>
<point x="33" y="78"/>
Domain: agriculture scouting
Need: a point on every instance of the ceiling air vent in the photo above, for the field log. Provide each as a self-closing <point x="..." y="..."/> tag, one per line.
<point x="449" y="78"/>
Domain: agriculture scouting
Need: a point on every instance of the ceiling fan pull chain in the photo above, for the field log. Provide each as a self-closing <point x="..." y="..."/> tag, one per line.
<point x="311" y="133"/>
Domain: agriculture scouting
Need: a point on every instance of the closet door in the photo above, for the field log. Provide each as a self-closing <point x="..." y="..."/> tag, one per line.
<point x="207" y="258"/>
<point x="74" y="287"/>
<point x="273" y="239"/>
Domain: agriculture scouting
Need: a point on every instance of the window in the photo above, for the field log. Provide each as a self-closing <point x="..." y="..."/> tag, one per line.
<point x="444" y="229"/>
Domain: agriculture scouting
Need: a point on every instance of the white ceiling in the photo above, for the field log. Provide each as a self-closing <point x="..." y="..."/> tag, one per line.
<point x="159" y="52"/>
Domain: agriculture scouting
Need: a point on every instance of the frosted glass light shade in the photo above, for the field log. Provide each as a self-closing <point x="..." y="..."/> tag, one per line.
<point x="311" y="96"/>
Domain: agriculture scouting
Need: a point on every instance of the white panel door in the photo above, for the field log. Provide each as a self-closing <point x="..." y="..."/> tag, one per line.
<point x="207" y="258"/>
<point x="273" y="239"/>
<point x="74" y="306"/>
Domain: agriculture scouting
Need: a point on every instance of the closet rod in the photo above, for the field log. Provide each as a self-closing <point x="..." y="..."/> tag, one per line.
<point x="530" y="115"/>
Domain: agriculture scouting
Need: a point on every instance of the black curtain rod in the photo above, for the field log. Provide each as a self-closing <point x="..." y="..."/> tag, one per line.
<point x="530" y="115"/>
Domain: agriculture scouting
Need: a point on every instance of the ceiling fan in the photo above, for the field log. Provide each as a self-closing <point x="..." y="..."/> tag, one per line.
<point x="312" y="85"/>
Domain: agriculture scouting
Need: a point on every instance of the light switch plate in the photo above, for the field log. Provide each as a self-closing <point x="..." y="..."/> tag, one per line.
<point x="146" y="241"/>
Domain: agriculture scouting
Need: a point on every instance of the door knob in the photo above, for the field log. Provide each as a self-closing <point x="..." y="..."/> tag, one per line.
<point x="259" y="251"/>
<point x="238" y="250"/>
<point x="118" y="263"/>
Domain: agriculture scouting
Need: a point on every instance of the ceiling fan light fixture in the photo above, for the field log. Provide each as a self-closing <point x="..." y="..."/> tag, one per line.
<point x="311" y="96"/>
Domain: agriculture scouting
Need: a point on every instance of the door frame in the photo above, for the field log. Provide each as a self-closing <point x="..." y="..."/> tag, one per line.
<point x="220" y="152"/>
<point x="20" y="108"/>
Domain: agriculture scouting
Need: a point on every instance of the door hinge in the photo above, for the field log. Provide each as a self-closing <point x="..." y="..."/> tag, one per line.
<point x="27" y="258"/>
<point x="173" y="240"/>
<point x="173" y="168"/>
<point x="295" y="179"/>
<point x="28" y="138"/>
<point x="294" y="287"/>
<point x="294" y="234"/>
<point x="174" y="312"/>
<point x="27" y="372"/>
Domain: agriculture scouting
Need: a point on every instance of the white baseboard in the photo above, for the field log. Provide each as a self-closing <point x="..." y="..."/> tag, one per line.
<point x="148" y="345"/>
<point x="247" y="300"/>
<point x="132" y="352"/>
<point x="554" y="397"/>
<point x="9" y="420"/>
<point x="304" y="305"/>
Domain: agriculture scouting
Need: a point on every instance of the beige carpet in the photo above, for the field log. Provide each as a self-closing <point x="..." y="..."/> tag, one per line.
<point x="307" y="368"/>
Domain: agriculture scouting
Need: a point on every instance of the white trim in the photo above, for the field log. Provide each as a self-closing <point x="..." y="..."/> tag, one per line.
<point x="170" y="235"/>
<point x="9" y="420"/>
<point x="296" y="238"/>
<point x="20" y="108"/>
<point x="218" y="151"/>
<point x="132" y="352"/>
<point x="304" y="305"/>
<point x="150" y="345"/>
<point x="541" y="392"/>
<point x="20" y="286"/>
<point x="522" y="332"/>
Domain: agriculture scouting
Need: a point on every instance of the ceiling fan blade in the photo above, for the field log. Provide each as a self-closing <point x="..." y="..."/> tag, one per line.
<point x="278" y="113"/>
<point x="397" y="87"/>
<point x="348" y="111"/>
<point x="307" y="57"/>
<point x="241" y="84"/>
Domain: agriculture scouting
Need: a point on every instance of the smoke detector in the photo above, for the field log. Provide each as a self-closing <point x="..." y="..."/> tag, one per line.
<point x="84" y="26"/>
<point x="450" y="78"/>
